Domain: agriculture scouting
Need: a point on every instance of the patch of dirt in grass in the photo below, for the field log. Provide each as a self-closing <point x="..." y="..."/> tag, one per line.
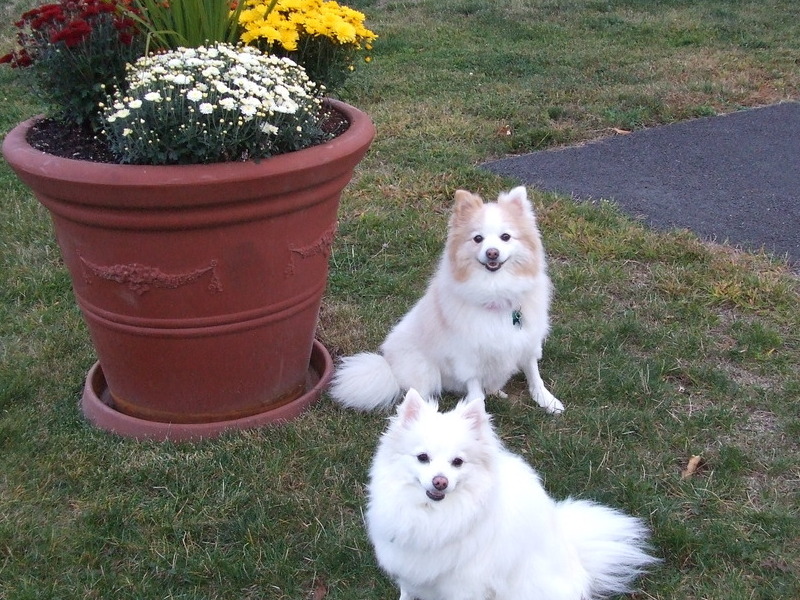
<point x="762" y="438"/>
<point x="758" y="377"/>
<point x="748" y="379"/>
<point x="761" y="423"/>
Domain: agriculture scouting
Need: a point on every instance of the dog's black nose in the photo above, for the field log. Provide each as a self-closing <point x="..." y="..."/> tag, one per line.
<point x="493" y="254"/>
<point x="440" y="482"/>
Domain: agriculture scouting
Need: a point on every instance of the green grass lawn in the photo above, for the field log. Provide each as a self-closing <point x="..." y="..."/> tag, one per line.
<point x="663" y="347"/>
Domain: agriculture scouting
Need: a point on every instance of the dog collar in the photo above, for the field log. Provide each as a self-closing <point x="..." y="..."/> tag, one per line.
<point x="516" y="317"/>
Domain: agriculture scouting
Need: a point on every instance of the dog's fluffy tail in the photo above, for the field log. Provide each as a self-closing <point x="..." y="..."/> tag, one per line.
<point x="611" y="546"/>
<point x="365" y="382"/>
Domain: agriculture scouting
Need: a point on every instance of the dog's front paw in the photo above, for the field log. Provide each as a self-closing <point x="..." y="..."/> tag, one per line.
<point x="548" y="402"/>
<point x="555" y="407"/>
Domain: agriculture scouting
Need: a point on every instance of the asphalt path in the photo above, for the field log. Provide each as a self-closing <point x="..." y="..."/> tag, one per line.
<point x="733" y="179"/>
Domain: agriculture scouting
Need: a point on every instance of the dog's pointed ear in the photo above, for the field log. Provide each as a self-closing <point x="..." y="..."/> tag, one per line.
<point x="518" y="198"/>
<point x="475" y="413"/>
<point x="465" y="203"/>
<point x="409" y="409"/>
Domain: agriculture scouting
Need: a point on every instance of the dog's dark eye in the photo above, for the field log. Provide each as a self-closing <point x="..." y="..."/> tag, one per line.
<point x="477" y="239"/>
<point x="457" y="462"/>
<point x="423" y="458"/>
<point x="505" y="237"/>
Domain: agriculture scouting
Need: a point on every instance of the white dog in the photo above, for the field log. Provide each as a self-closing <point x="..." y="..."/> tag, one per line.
<point x="482" y="319"/>
<point x="453" y="515"/>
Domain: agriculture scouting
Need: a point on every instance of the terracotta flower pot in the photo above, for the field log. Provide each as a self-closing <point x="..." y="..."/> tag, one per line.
<point x="200" y="285"/>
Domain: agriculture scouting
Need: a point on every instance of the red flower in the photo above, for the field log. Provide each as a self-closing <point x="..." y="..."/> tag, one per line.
<point x="73" y="34"/>
<point x="43" y="16"/>
<point x="17" y="59"/>
<point x="69" y="22"/>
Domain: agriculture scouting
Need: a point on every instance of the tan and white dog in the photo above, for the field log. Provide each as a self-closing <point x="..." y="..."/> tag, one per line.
<point x="483" y="318"/>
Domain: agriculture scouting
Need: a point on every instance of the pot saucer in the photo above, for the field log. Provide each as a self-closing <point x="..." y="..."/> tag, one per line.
<point x="96" y="401"/>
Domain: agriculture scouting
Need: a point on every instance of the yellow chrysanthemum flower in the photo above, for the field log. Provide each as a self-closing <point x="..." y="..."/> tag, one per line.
<point x="328" y="33"/>
<point x="340" y="24"/>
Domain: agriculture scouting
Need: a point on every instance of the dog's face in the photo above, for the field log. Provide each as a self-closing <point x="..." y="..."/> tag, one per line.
<point x="439" y="453"/>
<point x="495" y="237"/>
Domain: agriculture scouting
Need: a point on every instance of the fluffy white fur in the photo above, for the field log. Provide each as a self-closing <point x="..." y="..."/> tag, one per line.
<point x="453" y="515"/>
<point x="482" y="319"/>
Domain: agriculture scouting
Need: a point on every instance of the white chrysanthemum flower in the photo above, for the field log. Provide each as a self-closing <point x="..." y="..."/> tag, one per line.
<point x="251" y="101"/>
<point x="269" y="129"/>
<point x="152" y="96"/>
<point x="227" y="103"/>
<point x="194" y="95"/>
<point x="287" y="106"/>
<point x="206" y="108"/>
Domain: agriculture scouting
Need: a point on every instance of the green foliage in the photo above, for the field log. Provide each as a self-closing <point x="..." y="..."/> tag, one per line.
<point x="187" y="23"/>
<point x="325" y="60"/>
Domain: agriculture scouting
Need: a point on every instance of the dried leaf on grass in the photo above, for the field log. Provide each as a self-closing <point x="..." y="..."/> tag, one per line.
<point x="319" y="591"/>
<point x="694" y="463"/>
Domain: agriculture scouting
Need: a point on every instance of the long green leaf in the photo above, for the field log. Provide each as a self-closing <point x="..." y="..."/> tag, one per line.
<point x="189" y="22"/>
